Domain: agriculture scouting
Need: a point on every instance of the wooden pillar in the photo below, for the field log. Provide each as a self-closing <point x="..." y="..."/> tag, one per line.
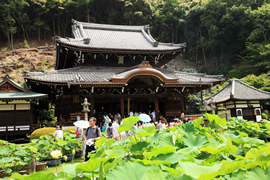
<point x="122" y="107"/>
<point x="14" y="120"/>
<point x="157" y="109"/>
<point x="31" y="116"/>
<point x="92" y="101"/>
<point x="128" y="106"/>
<point x="182" y="101"/>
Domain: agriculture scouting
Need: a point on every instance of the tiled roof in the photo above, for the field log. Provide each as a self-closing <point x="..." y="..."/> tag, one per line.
<point x="21" y="95"/>
<point x="13" y="83"/>
<point x="103" y="74"/>
<point x="238" y="90"/>
<point x="116" y="37"/>
<point x="24" y="94"/>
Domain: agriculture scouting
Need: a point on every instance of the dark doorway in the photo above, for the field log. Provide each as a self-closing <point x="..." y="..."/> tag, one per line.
<point x="248" y="114"/>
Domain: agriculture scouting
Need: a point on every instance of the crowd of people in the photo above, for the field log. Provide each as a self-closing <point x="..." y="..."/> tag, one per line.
<point x="110" y="124"/>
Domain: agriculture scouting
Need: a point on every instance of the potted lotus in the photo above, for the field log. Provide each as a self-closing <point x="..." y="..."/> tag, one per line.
<point x="45" y="145"/>
<point x="56" y="155"/>
<point x="23" y="156"/>
<point x="68" y="145"/>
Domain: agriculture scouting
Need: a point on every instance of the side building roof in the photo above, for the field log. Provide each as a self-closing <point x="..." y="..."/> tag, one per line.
<point x="238" y="90"/>
<point x="116" y="38"/>
<point x="10" y="90"/>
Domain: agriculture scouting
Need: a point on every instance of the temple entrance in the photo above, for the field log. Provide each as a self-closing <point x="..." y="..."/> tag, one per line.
<point x="142" y="105"/>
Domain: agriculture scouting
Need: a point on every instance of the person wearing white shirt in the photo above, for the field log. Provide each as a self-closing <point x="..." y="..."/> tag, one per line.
<point x="153" y="116"/>
<point x="58" y="133"/>
<point x="130" y="113"/>
<point x="136" y="114"/>
<point x="115" y="126"/>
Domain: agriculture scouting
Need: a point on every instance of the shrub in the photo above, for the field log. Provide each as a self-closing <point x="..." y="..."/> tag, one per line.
<point x="69" y="130"/>
<point x="41" y="131"/>
<point x="165" y="66"/>
<point x="4" y="49"/>
<point x="264" y="116"/>
<point x="26" y="44"/>
<point x="202" y="69"/>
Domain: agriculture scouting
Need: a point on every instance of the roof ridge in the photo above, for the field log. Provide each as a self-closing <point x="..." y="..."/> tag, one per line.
<point x="220" y="91"/>
<point x="108" y="26"/>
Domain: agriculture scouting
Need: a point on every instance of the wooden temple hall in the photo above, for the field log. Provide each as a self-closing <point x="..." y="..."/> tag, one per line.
<point x="118" y="69"/>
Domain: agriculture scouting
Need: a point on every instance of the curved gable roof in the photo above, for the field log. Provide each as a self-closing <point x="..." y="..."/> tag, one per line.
<point x="143" y="69"/>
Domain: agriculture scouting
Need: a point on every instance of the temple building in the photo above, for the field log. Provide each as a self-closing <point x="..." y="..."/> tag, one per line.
<point x="240" y="100"/>
<point x="118" y="69"/>
<point x="17" y="109"/>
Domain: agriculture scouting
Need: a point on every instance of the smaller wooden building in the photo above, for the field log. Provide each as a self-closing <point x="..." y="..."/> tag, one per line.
<point x="240" y="100"/>
<point x="17" y="109"/>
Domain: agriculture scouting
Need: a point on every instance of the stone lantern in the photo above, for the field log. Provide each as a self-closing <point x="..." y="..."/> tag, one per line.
<point x="86" y="109"/>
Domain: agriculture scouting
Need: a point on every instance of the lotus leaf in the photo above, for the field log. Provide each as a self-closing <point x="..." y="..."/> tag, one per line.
<point x="127" y="124"/>
<point x="157" y="150"/>
<point x="138" y="147"/>
<point x="130" y="171"/>
<point x="257" y="174"/>
<point x="154" y="175"/>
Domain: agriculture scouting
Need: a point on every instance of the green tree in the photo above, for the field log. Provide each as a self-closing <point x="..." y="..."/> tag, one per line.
<point x="8" y="22"/>
<point x="257" y="45"/>
<point x="261" y="82"/>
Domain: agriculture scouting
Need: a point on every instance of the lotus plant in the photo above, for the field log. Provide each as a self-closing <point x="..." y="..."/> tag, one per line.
<point x="56" y="154"/>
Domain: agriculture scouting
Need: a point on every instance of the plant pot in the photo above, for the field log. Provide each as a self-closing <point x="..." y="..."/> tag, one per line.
<point x="51" y="162"/>
<point x="78" y="154"/>
<point x="2" y="175"/>
<point x="25" y="170"/>
<point x="69" y="158"/>
<point x="41" y="166"/>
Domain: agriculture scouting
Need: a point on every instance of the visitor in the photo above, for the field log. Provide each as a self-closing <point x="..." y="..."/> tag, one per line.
<point x="163" y="124"/>
<point x="164" y="119"/>
<point x="182" y="115"/>
<point x="166" y="125"/>
<point x="156" y="124"/>
<point x="110" y="132"/>
<point x="115" y="125"/>
<point x="62" y="120"/>
<point x="102" y="125"/>
<point x="153" y="116"/>
<point x="78" y="116"/>
<point x="160" y="125"/>
<point x="118" y="118"/>
<point x="136" y="113"/>
<point x="91" y="135"/>
<point x="83" y="144"/>
<point x="123" y="135"/>
<point x="58" y="133"/>
<point x="176" y="123"/>
<point x="140" y="125"/>
<point x="130" y="113"/>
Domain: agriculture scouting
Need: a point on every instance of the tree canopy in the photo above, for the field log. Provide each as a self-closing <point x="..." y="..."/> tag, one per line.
<point x="223" y="36"/>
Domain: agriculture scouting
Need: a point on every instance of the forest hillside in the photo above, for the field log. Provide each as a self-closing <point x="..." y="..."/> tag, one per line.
<point x="229" y="37"/>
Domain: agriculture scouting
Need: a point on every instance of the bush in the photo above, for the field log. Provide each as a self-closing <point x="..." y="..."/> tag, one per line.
<point x="41" y="131"/>
<point x="202" y="69"/>
<point x="69" y="130"/>
<point x="264" y="116"/>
